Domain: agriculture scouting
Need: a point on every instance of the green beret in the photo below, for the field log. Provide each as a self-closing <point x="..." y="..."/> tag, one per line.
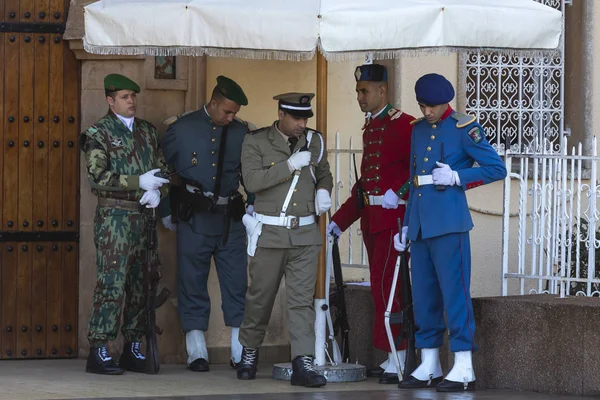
<point x="116" y="82"/>
<point x="231" y="90"/>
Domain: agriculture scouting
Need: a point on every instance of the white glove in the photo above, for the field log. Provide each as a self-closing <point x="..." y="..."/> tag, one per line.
<point x="334" y="229"/>
<point x="322" y="201"/>
<point x="250" y="210"/>
<point x="150" y="182"/>
<point x="299" y="160"/>
<point x="151" y="198"/>
<point x="400" y="244"/>
<point x="170" y="225"/>
<point x="444" y="175"/>
<point x="390" y="200"/>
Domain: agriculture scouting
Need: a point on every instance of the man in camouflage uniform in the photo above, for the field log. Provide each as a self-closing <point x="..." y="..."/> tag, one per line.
<point x="122" y="155"/>
<point x="286" y="166"/>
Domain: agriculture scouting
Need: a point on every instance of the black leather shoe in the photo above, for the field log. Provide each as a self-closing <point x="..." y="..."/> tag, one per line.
<point x="199" y="365"/>
<point x="413" y="383"/>
<point x="132" y="358"/>
<point x="248" y="365"/>
<point x="388" y="378"/>
<point x="99" y="362"/>
<point x="303" y="373"/>
<point x="375" y="372"/>
<point x="451" y="386"/>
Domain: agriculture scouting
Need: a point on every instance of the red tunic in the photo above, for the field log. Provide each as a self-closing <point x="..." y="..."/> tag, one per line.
<point x="385" y="165"/>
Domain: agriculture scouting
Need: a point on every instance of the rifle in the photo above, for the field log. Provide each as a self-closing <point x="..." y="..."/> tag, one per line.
<point x="408" y="318"/>
<point x="153" y="301"/>
<point x="338" y="300"/>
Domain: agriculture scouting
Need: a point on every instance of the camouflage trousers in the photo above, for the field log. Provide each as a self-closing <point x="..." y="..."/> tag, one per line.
<point x="120" y="239"/>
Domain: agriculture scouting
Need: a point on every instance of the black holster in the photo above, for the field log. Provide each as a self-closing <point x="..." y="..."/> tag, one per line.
<point x="360" y="197"/>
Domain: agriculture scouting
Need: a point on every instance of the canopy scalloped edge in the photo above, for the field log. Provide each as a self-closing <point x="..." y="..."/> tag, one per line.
<point x="305" y="56"/>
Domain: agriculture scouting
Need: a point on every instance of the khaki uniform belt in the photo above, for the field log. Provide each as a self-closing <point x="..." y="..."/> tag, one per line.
<point x="118" y="203"/>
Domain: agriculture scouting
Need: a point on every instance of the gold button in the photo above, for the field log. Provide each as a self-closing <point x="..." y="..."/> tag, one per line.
<point x="426" y="159"/>
<point x="295" y="190"/>
<point x="434" y="126"/>
<point x="428" y="148"/>
<point x="214" y="165"/>
<point x="212" y="152"/>
<point x="294" y="204"/>
<point x="214" y="177"/>
<point x="422" y="171"/>
<point x="213" y="139"/>
<point x="214" y="128"/>
<point x="419" y="194"/>
<point x="272" y="163"/>
<point x="432" y="137"/>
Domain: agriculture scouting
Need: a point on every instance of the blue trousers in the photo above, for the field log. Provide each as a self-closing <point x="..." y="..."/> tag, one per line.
<point x="441" y="279"/>
<point x="194" y="252"/>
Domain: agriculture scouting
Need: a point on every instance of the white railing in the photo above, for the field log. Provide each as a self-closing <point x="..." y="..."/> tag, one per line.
<point x="554" y="250"/>
<point x="352" y="250"/>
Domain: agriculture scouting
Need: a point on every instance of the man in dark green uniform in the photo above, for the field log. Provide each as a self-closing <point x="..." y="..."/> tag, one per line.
<point x="209" y="215"/>
<point x="122" y="156"/>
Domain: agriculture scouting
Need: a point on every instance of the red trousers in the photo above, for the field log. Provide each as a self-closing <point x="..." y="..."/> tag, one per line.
<point x="382" y="261"/>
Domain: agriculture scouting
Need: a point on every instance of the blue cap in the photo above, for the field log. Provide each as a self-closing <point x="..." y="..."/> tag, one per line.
<point x="433" y="90"/>
<point x="371" y="72"/>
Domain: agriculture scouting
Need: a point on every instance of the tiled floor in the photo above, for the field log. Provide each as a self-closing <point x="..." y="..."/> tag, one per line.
<point x="66" y="379"/>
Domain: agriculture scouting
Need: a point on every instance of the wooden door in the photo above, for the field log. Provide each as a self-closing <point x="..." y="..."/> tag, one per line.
<point x="39" y="182"/>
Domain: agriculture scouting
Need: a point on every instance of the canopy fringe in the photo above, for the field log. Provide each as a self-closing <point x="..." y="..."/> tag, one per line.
<point x="308" y="55"/>
<point x="279" y="55"/>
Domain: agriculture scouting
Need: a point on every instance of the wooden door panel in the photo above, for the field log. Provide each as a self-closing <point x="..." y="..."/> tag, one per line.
<point x="39" y="182"/>
<point x="58" y="11"/>
<point x="39" y="299"/>
<point x="9" y="299"/>
<point x="55" y="157"/>
<point x="40" y="142"/>
<point x="70" y="296"/>
<point x="54" y="300"/>
<point x="42" y="11"/>
<point x="26" y="87"/>
<point x="11" y="132"/>
<point x="71" y="133"/>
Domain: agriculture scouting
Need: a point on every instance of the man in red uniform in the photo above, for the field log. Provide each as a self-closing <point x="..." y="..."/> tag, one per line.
<point x="385" y="171"/>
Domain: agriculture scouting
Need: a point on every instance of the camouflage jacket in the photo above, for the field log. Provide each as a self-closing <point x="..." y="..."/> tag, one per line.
<point x="116" y="157"/>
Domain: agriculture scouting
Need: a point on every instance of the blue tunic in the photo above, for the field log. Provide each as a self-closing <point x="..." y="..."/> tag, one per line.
<point x="438" y="227"/>
<point x="200" y="239"/>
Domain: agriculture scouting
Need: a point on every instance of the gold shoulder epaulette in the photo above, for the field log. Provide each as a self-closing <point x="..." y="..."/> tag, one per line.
<point x="173" y="119"/>
<point x="463" y="120"/>
<point x="414" y="121"/>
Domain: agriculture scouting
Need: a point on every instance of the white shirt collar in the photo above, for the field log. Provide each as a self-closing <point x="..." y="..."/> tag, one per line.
<point x="127" y="121"/>
<point x="373" y="116"/>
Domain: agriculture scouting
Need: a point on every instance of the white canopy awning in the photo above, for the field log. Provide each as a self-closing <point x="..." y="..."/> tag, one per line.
<point x="340" y="29"/>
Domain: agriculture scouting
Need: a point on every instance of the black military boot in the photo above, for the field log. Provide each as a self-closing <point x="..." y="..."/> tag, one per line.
<point x="132" y="358"/>
<point x="303" y="373"/>
<point x="247" y="369"/>
<point x="99" y="362"/>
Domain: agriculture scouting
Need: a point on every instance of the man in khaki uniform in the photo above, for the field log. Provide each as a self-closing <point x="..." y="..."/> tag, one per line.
<point x="286" y="166"/>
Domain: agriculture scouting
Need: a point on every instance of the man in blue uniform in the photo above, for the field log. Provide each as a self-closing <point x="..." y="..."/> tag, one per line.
<point x="445" y="145"/>
<point x="206" y="146"/>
